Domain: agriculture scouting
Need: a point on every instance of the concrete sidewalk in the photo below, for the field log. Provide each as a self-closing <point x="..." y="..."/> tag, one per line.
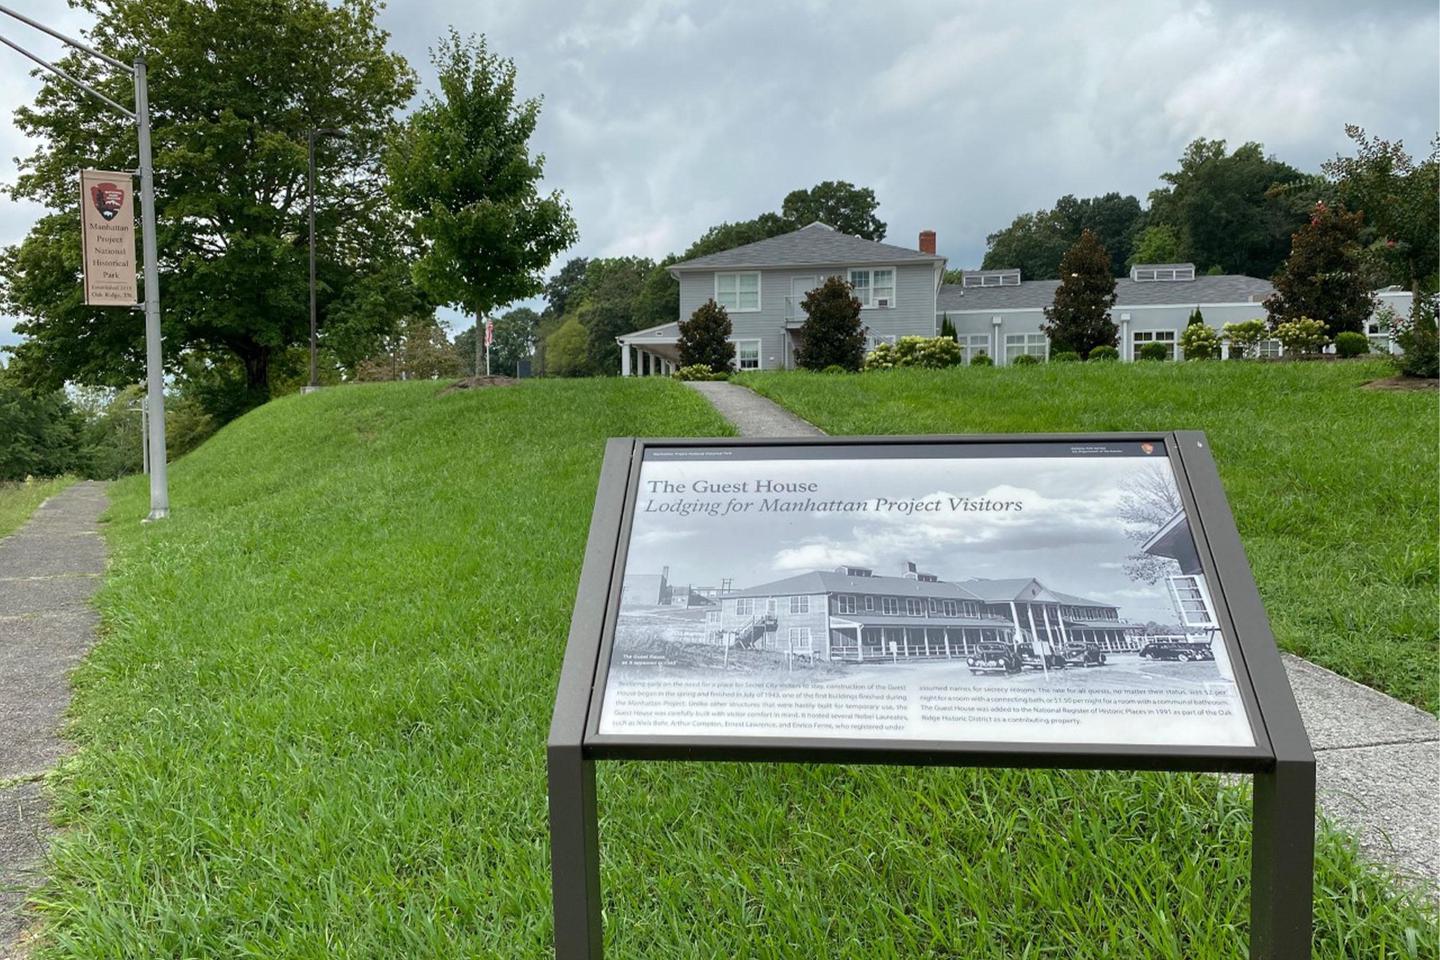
<point x="1377" y="759"/>
<point x="49" y="569"/>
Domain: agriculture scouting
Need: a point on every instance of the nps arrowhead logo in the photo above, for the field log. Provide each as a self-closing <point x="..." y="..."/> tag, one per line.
<point x="109" y="199"/>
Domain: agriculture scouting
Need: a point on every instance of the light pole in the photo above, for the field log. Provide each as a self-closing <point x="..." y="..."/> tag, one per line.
<point x="154" y="366"/>
<point x="311" y="136"/>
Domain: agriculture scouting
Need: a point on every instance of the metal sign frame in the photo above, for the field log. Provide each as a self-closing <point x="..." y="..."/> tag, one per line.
<point x="1282" y="762"/>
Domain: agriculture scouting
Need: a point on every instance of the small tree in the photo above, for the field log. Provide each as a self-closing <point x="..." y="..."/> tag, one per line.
<point x="1322" y="278"/>
<point x="705" y="339"/>
<point x="461" y="165"/>
<point x="1243" y="337"/>
<point x="947" y="328"/>
<point x="1079" y="318"/>
<point x="1417" y="336"/>
<point x="832" y="334"/>
<point x="1196" y="317"/>
<point x="1301" y="335"/>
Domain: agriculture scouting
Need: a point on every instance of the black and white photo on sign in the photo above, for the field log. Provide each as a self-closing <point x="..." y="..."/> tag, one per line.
<point x="1033" y="598"/>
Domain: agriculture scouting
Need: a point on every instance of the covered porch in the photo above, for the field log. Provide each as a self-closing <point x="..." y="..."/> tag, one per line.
<point x="886" y="640"/>
<point x="654" y="352"/>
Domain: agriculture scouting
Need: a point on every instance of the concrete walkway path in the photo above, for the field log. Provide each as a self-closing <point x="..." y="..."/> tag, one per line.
<point x="752" y="414"/>
<point x="1377" y="759"/>
<point x="48" y="570"/>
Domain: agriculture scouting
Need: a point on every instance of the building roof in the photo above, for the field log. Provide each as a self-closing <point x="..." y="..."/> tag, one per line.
<point x="815" y="245"/>
<point x="1036" y="294"/>
<point x="830" y="581"/>
<point x="665" y="331"/>
<point x="1005" y="590"/>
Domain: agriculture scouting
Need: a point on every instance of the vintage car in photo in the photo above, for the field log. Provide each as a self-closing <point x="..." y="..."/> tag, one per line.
<point x="991" y="657"/>
<point x="1031" y="660"/>
<point x="1084" y="655"/>
<point x="1166" y="648"/>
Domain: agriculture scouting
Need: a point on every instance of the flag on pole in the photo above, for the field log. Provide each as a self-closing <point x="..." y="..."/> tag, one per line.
<point x="489" y="332"/>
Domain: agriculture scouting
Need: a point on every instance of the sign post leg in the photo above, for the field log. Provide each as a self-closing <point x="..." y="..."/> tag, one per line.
<point x="1282" y="862"/>
<point x="574" y="855"/>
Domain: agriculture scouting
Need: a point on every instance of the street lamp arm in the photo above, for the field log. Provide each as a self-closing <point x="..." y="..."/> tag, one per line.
<point x="85" y="48"/>
<point x="127" y="112"/>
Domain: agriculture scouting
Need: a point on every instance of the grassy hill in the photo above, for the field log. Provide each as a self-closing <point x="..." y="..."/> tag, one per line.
<point x="1333" y="486"/>
<point x="315" y="728"/>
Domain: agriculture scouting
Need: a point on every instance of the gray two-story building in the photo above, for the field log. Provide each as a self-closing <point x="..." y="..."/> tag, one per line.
<point x="762" y="285"/>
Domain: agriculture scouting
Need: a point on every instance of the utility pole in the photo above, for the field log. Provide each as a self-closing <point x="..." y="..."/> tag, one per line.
<point x="154" y="365"/>
<point x="310" y="138"/>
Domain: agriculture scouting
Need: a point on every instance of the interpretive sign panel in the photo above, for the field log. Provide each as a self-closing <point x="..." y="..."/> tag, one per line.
<point x="1038" y="601"/>
<point x="1031" y="592"/>
<point x="107" y="231"/>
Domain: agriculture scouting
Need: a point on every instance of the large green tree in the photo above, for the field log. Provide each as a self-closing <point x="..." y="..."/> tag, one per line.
<point x="1226" y="208"/>
<point x="461" y="164"/>
<point x="1079" y="318"/>
<point x="1323" y="278"/>
<point x="613" y="294"/>
<point x="838" y="203"/>
<point x="1035" y="242"/>
<point x="234" y="87"/>
<point x="1398" y="198"/>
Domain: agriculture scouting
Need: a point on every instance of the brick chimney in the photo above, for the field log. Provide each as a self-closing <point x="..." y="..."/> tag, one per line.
<point x="927" y="242"/>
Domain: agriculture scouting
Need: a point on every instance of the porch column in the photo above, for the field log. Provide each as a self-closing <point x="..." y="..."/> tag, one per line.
<point x="624" y="359"/>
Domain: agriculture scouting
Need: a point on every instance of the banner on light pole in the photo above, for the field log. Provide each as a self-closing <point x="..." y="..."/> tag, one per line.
<point x="107" y="231"/>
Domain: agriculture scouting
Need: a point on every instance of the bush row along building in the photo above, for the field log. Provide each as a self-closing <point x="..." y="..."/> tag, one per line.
<point x="902" y="293"/>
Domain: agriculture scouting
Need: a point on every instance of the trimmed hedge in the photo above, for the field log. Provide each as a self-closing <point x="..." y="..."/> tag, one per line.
<point x="1103" y="353"/>
<point x="1348" y="343"/>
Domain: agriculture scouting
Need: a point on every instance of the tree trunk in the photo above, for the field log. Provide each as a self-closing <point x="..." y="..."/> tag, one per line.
<point x="257" y="370"/>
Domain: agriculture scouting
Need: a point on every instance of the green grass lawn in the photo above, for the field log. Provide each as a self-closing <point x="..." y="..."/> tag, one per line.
<point x="19" y="500"/>
<point x="316" y="728"/>
<point x="1334" y="488"/>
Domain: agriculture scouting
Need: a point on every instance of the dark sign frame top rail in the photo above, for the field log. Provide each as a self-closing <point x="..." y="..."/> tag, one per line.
<point x="1281" y="761"/>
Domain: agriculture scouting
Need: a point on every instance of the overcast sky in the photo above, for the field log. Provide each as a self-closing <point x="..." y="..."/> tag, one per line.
<point x="1066" y="532"/>
<point x="663" y="118"/>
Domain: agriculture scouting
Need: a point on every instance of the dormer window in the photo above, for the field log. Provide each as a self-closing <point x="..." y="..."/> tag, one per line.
<point x="990" y="278"/>
<point x="1158" y="272"/>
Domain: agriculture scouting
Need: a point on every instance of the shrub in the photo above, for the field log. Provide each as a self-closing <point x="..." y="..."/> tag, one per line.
<point x="1026" y="360"/>
<point x="834" y="368"/>
<point x="882" y="357"/>
<point x="1351" y="344"/>
<point x="705" y="339"/>
<point x="1200" y="342"/>
<point x="699" y="371"/>
<point x="1065" y="356"/>
<point x="981" y="360"/>
<point x="933" y="353"/>
<point x="1154" y="351"/>
<point x="1416" y="335"/>
<point x="1243" y="337"/>
<point x="1104" y="352"/>
<point x="1196" y="318"/>
<point x="1301" y="335"/>
<point x="947" y="329"/>
<point x="832" y="334"/>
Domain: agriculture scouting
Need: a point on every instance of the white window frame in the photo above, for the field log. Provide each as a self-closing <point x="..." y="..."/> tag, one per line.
<point x="1269" y="347"/>
<point x="951" y="608"/>
<point x="973" y="344"/>
<point x="800" y="603"/>
<point x="890" y="606"/>
<point x="869" y="603"/>
<point x="1171" y="338"/>
<point x="914" y="607"/>
<point x="744" y="606"/>
<point x="845" y="603"/>
<point x="759" y="353"/>
<point x="1028" y="343"/>
<point x="799" y="637"/>
<point x="735" y="276"/>
<point x="1195" y="593"/>
<point x="868" y="299"/>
